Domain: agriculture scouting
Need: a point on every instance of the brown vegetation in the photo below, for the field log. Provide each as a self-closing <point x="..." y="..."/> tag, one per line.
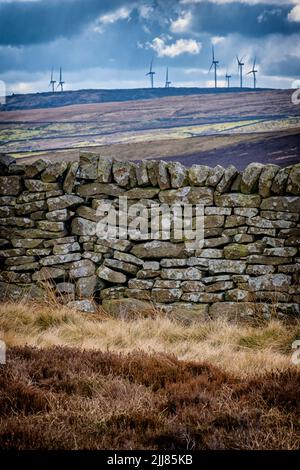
<point x="63" y="398"/>
<point x="119" y="385"/>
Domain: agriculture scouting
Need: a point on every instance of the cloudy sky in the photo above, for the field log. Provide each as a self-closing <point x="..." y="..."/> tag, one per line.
<point x="110" y="43"/>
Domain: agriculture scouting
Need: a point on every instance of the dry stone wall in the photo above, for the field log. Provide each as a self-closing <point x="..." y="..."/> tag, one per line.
<point x="249" y="262"/>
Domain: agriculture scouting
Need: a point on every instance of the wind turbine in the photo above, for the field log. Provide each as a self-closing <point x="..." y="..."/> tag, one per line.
<point x="168" y="83"/>
<point x="240" y="68"/>
<point x="254" y="73"/>
<point x="151" y="74"/>
<point x="214" y="64"/>
<point x="52" y="81"/>
<point x="61" y="82"/>
<point x="228" y="77"/>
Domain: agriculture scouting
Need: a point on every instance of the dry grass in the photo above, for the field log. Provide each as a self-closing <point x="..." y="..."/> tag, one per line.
<point x="240" y="349"/>
<point x="64" y="398"/>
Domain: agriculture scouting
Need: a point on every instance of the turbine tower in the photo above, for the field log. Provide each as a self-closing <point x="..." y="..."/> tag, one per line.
<point x="254" y="73"/>
<point x="214" y="64"/>
<point x="240" y="68"/>
<point x="228" y="77"/>
<point x="151" y="74"/>
<point x="52" y="81"/>
<point x="168" y="83"/>
<point x="61" y="82"/>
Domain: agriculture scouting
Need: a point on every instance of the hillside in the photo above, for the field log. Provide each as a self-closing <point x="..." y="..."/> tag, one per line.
<point x="67" y="98"/>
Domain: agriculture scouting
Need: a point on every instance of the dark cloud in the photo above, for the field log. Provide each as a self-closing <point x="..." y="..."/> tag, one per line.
<point x="23" y="23"/>
<point x="249" y="20"/>
<point x="287" y="67"/>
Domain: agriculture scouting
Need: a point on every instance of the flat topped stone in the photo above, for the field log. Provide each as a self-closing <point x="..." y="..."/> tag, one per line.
<point x="158" y="249"/>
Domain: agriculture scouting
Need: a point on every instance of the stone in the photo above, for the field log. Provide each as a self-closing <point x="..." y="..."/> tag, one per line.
<point x="38" y="252"/>
<point x="61" y="215"/>
<point x="280" y="181"/>
<point x="266" y="179"/>
<point x="88" y="213"/>
<point x="192" y="286"/>
<point x="215" y="176"/>
<point x="190" y="297"/>
<point x="82" y="268"/>
<point x="141" y="193"/>
<point x="17" y="292"/>
<point x="7" y="201"/>
<point x="189" y="274"/>
<point x="243" y="238"/>
<point x="214" y="221"/>
<point x="96" y="258"/>
<point x="12" y="252"/>
<point x="94" y="189"/>
<point x="250" y="178"/>
<point x="24" y="267"/>
<point x="65" y="288"/>
<point x="237" y="295"/>
<point x="113" y="292"/>
<point x="233" y="310"/>
<point x="17" y="222"/>
<point x="178" y="174"/>
<point x="218" y="211"/>
<point x="63" y="202"/>
<point x="270" y="282"/>
<point x="60" y="241"/>
<point x="86" y="306"/>
<point x="280" y="251"/>
<point x="18" y="278"/>
<point x="128" y="258"/>
<point x="237" y="200"/>
<point x="269" y="260"/>
<point x="140" y="284"/>
<point x="142" y="173"/>
<point x="293" y="183"/>
<point x="236" y="251"/>
<point x="151" y="265"/>
<point x="46" y="274"/>
<point x="82" y="226"/>
<point x="166" y="295"/>
<point x="158" y="249"/>
<point x="28" y="208"/>
<point x="104" y="173"/>
<point x="61" y="249"/>
<point x="219" y="286"/>
<point x="19" y="260"/>
<point x="35" y="168"/>
<point x="60" y="259"/>
<point x="10" y="185"/>
<point x="147" y="274"/>
<point x="198" y="174"/>
<point x="227" y="179"/>
<point x="5" y="162"/>
<point x="110" y="275"/>
<point x="214" y="279"/>
<point x="218" y="241"/>
<point x="50" y="226"/>
<point x="53" y="171"/>
<point x="210" y="253"/>
<point x="163" y="178"/>
<point x="186" y="313"/>
<point x="88" y="166"/>
<point x="70" y="178"/>
<point x="226" y="266"/>
<point x="119" y="245"/>
<point x="174" y="196"/>
<point x="235" y="221"/>
<point x="121" y="173"/>
<point x="236" y="184"/>
<point x="245" y="212"/>
<point x="208" y="297"/>
<point x="121" y="266"/>
<point x="166" y="284"/>
<point x="202" y="263"/>
<point x="287" y="203"/>
<point x="39" y="186"/>
<point x="173" y="263"/>
<point x="152" y="168"/>
<point x="86" y="287"/>
<point x="127" y="308"/>
<point x="26" y="243"/>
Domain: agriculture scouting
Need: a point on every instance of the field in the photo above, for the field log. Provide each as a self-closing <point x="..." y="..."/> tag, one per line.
<point x="214" y="128"/>
<point x="74" y="381"/>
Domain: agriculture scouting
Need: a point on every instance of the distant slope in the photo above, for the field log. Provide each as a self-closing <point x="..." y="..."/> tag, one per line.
<point x="67" y="98"/>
